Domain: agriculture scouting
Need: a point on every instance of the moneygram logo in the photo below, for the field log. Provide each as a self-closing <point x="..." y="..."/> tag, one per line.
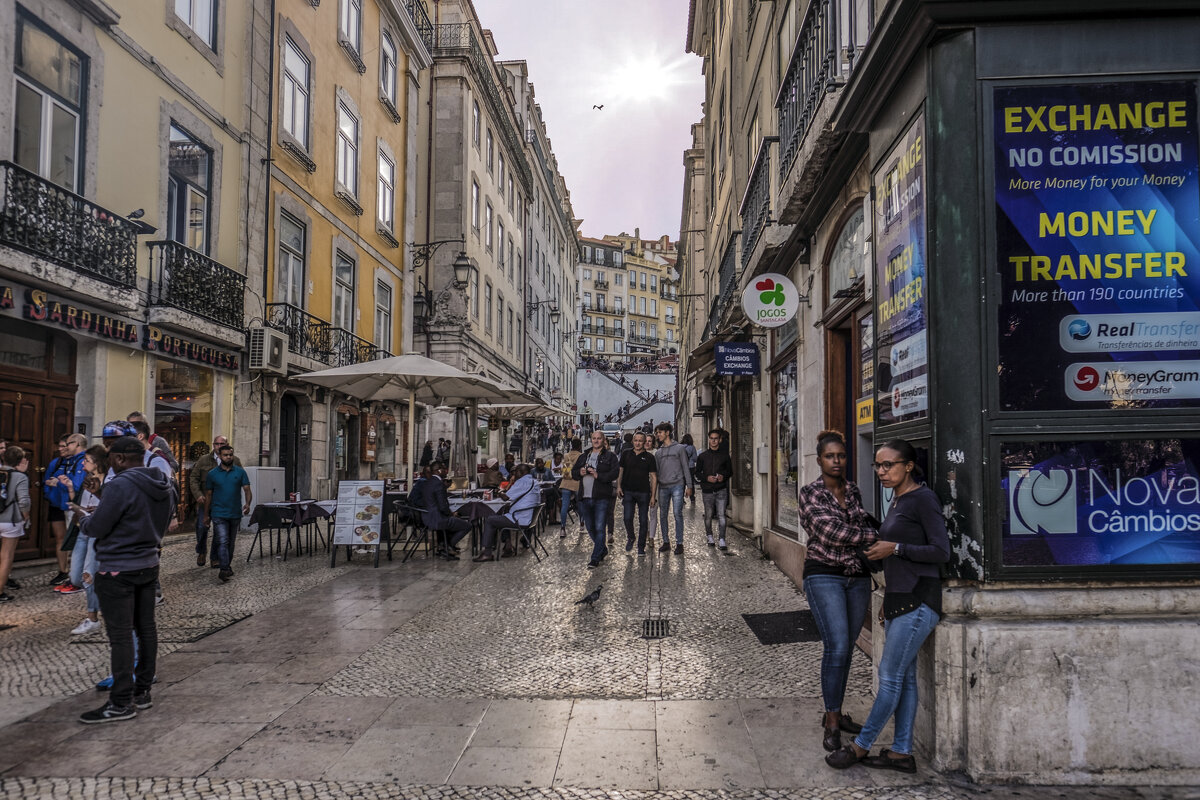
<point x="1130" y="381"/>
<point x="1079" y="329"/>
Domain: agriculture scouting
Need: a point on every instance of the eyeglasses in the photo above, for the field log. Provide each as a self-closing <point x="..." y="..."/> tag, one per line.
<point x="885" y="466"/>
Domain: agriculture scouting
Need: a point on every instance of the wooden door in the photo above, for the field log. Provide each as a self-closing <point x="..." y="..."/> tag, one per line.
<point x="21" y="422"/>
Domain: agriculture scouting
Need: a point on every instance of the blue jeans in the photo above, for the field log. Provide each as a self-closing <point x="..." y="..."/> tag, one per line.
<point x="567" y="494"/>
<point x="202" y="524"/>
<point x="839" y="605"/>
<point x="898" y="679"/>
<point x="83" y="559"/>
<point x="594" y="511"/>
<point x="224" y="532"/>
<point x="639" y="501"/>
<point x="670" y="496"/>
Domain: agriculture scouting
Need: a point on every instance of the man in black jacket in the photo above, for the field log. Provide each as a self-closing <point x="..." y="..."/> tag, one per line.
<point x="596" y="470"/>
<point x="128" y="527"/>
<point x="713" y="468"/>
<point x="436" y="513"/>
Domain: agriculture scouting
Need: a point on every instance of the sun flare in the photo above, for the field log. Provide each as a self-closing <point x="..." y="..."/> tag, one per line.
<point x="643" y="77"/>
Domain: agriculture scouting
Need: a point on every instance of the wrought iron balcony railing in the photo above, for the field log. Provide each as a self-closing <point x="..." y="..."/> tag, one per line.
<point x="420" y="17"/>
<point x="756" y="202"/>
<point x="668" y="293"/>
<point x="597" y="309"/>
<point x="193" y="282"/>
<point x="727" y="277"/>
<point x="314" y="338"/>
<point x="651" y="341"/>
<point x="45" y="220"/>
<point x="823" y="58"/>
<point x="601" y="283"/>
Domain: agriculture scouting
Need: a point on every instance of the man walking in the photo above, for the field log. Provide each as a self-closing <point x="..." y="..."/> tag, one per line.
<point x="637" y="485"/>
<point x="128" y="526"/>
<point x="674" y="482"/>
<point x="199" y="472"/>
<point x="713" y="468"/>
<point x="596" y="470"/>
<point x="221" y="489"/>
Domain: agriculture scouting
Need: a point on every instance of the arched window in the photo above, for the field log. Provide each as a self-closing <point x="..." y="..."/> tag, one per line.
<point x="848" y="259"/>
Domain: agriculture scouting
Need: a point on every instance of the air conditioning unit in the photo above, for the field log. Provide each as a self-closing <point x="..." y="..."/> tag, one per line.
<point x="268" y="351"/>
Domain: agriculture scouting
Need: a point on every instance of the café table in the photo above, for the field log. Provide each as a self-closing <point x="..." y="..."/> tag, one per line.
<point x="283" y="518"/>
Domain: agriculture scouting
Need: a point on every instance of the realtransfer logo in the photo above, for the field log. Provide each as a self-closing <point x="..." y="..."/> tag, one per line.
<point x="1079" y="329"/>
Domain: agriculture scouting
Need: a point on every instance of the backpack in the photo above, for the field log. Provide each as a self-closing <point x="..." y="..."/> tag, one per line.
<point x="5" y="500"/>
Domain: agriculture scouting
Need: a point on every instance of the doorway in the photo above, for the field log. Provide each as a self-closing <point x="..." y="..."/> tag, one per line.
<point x="289" y="441"/>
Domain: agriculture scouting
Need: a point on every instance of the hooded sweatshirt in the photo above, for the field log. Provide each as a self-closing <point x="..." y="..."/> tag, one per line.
<point x="130" y="521"/>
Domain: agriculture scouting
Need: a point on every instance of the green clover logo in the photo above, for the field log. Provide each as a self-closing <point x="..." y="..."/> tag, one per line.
<point x="773" y="294"/>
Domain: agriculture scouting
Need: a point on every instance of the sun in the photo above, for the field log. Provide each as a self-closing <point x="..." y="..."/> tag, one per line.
<point x="643" y="77"/>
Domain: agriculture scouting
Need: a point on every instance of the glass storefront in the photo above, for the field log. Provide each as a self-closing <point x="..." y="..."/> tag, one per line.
<point x="787" y="452"/>
<point x="183" y="415"/>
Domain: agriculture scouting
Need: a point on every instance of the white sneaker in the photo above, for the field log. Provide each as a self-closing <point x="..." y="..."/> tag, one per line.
<point x="87" y="626"/>
<point x="721" y="545"/>
<point x="710" y="540"/>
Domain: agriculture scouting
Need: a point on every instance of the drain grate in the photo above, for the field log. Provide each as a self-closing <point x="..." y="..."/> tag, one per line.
<point x="656" y="628"/>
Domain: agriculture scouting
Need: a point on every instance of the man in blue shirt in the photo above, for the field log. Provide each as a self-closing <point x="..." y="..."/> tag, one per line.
<point x="524" y="496"/>
<point x="221" y="496"/>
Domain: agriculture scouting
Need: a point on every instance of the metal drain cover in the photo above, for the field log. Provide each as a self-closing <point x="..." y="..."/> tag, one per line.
<point x="656" y="628"/>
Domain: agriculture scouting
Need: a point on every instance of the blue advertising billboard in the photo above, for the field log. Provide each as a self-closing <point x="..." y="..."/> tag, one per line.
<point x="1097" y="245"/>
<point x="901" y="318"/>
<point x="736" y="358"/>
<point x="1110" y="503"/>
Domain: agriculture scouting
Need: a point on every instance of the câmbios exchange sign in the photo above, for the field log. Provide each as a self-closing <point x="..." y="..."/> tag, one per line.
<point x="1097" y="203"/>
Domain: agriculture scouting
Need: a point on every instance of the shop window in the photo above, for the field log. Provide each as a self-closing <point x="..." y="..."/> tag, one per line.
<point x="343" y="291"/>
<point x="183" y="413"/>
<point x="289" y="267"/>
<point x="743" y="437"/>
<point x="847" y="261"/>
<point x="785" y="471"/>
<point x="189" y="166"/>
<point x="48" y="106"/>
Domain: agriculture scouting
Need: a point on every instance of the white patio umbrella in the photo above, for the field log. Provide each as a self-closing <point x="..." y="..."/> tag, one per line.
<point x="416" y="379"/>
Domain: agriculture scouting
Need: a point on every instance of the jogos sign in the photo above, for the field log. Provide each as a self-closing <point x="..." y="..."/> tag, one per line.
<point x="771" y="300"/>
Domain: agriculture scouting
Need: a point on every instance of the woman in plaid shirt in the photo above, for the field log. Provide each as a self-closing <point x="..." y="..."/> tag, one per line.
<point x="836" y="582"/>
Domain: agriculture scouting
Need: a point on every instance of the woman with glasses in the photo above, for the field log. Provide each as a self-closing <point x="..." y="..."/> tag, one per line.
<point x="912" y="542"/>
<point x="836" y="581"/>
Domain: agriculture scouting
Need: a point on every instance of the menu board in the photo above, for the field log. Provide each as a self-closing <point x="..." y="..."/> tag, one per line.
<point x="359" y="513"/>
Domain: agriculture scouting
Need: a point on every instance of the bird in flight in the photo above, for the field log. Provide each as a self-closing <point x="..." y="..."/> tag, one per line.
<point x="590" y="597"/>
<point x="599" y="107"/>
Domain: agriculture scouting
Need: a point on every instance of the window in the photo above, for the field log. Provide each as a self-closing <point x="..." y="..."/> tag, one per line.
<point x="653" y="330"/>
<point x="511" y="322"/>
<point x="600" y="275"/>
<point x="618" y="278"/>
<point x="499" y="319"/>
<point x="599" y="344"/>
<point x="387" y="69"/>
<point x="489" y="152"/>
<point x="350" y="22"/>
<point x="511" y="249"/>
<point x="383" y="316"/>
<point x="289" y="267"/>
<point x="617" y="257"/>
<point x="618" y="346"/>
<point x="642" y="305"/>
<point x="487" y="218"/>
<point x="48" y="107"/>
<point x="343" y="291"/>
<point x="387" y="191"/>
<point x="617" y="301"/>
<point x="201" y="17"/>
<point x="587" y="274"/>
<point x="511" y="195"/>
<point x="189" y="172"/>
<point x="643" y="282"/>
<point x="599" y="256"/>
<point x="347" y="149"/>
<point x="500" y="239"/>
<point x="520" y="268"/>
<point x="632" y="278"/>
<point x="653" y="307"/>
<point x="487" y="305"/>
<point x="601" y="302"/>
<point x="654" y="283"/>
<point x="475" y="294"/>
<point x="295" y="92"/>
<point x="475" y="123"/>
<point x="642" y="329"/>
<point x="587" y="253"/>
<point x="501" y="172"/>
<point x="587" y="299"/>
<point x="475" y="205"/>
<point x="670" y="335"/>
<point x="587" y="343"/>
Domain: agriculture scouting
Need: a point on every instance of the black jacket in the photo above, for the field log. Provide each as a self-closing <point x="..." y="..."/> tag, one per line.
<point x="130" y="521"/>
<point x="435" y="504"/>
<point x="713" y="462"/>
<point x="606" y="473"/>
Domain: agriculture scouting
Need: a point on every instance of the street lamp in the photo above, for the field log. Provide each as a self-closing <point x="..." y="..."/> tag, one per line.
<point x="423" y="253"/>
<point x="532" y="306"/>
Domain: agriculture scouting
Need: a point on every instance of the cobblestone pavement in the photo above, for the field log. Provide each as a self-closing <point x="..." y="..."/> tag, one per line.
<point x="444" y="680"/>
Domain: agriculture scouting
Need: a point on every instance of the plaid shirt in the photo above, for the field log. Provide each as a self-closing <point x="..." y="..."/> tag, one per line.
<point x="835" y="533"/>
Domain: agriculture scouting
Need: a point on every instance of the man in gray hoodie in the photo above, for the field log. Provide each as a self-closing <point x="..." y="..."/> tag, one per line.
<point x="674" y="481"/>
<point x="128" y="527"/>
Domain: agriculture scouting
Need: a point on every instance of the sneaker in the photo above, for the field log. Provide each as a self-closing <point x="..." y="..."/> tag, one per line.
<point x="721" y="545"/>
<point x="12" y="584"/>
<point x="87" y="626"/>
<point x="679" y="548"/>
<point x="628" y="544"/>
<point x="108" y="713"/>
<point x="711" y="543"/>
<point x="563" y="535"/>
<point x="5" y="597"/>
<point x="642" y="551"/>
<point x="224" y="575"/>
<point x="665" y="547"/>
<point x="68" y="588"/>
<point x="142" y="701"/>
<point x="61" y="577"/>
<point x="104" y="685"/>
<point x="593" y="564"/>
<point x="159" y="599"/>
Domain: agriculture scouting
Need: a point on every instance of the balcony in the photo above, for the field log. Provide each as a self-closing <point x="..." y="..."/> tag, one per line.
<point x="727" y="277"/>
<point x="756" y="202"/>
<point x="193" y="282"/>
<point x="601" y="284"/>
<point x="47" y="221"/>
<point x="420" y="17"/>
<point x="314" y="338"/>
<point x="668" y="293"/>
<point x="588" y="308"/>
<point x="597" y="330"/>
<point x="649" y="341"/>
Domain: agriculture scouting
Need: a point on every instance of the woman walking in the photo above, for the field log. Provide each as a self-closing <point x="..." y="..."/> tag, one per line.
<point x="913" y="541"/>
<point x="836" y="581"/>
<point x="568" y="486"/>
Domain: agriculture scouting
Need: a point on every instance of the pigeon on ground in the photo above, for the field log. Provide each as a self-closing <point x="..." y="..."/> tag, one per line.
<point x="591" y="596"/>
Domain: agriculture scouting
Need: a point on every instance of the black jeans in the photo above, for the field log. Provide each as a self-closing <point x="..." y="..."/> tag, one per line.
<point x="641" y="502"/>
<point x="127" y="603"/>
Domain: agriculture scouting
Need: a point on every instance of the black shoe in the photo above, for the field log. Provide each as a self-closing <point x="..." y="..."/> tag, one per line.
<point x="142" y="701"/>
<point x="200" y="559"/>
<point x="451" y="555"/>
<point x="885" y="761"/>
<point x="108" y="713"/>
<point x="12" y="584"/>
<point x="843" y="758"/>
<point x="665" y="547"/>
<point x="225" y="575"/>
<point x="628" y="544"/>
<point x="214" y="564"/>
<point x="848" y="725"/>
<point x="61" y="577"/>
<point x="832" y="740"/>
<point x="679" y="549"/>
<point x="5" y="597"/>
<point x="593" y="564"/>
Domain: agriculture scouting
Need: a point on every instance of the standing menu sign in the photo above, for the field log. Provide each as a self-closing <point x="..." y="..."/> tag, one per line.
<point x="902" y="378"/>
<point x="359" y="513"/>
<point x="1097" y="236"/>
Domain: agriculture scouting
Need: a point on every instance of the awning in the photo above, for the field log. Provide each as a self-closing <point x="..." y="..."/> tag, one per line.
<point x="702" y="357"/>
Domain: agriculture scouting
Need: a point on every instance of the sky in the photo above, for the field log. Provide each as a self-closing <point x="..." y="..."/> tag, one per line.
<point x="623" y="164"/>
